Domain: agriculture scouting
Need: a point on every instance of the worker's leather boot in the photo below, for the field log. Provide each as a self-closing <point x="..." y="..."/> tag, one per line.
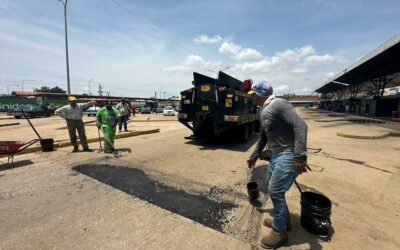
<point x="274" y="240"/>
<point x="268" y="223"/>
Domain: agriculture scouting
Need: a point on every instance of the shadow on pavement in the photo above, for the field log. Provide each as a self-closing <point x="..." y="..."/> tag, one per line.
<point x="299" y="236"/>
<point x="17" y="164"/>
<point x="362" y="163"/>
<point x="125" y="150"/>
<point x="224" y="143"/>
<point x="135" y="182"/>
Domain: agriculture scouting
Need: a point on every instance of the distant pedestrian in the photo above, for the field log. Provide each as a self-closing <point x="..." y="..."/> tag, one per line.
<point x="73" y="114"/>
<point x="133" y="110"/>
<point x="124" y="113"/>
<point x="285" y="132"/>
<point x="106" y="121"/>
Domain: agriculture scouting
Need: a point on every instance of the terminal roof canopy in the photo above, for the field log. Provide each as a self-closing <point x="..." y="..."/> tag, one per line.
<point x="383" y="61"/>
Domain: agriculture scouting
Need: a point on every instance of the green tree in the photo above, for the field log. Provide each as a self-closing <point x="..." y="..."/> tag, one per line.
<point x="46" y="89"/>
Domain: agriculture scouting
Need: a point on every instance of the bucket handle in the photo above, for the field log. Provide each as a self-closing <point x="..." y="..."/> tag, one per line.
<point x="298" y="187"/>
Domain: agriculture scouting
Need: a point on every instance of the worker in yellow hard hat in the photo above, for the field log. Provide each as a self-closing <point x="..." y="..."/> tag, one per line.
<point x="72" y="99"/>
<point x="73" y="114"/>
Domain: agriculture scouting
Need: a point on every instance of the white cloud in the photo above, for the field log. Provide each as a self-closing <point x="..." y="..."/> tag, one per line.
<point x="253" y="60"/>
<point x="331" y="74"/>
<point x="280" y="90"/>
<point x="296" y="54"/>
<point x="190" y="63"/>
<point x="319" y="58"/>
<point x="304" y="91"/>
<point x="229" y="48"/>
<point x="237" y="52"/>
<point x="299" y="71"/>
<point x="207" y="39"/>
<point x="261" y="65"/>
<point x="248" y="54"/>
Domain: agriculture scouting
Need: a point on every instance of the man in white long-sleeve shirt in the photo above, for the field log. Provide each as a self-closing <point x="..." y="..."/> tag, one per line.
<point x="73" y="114"/>
<point x="124" y="113"/>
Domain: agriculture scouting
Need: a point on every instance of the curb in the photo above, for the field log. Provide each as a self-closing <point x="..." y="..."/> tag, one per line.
<point x="91" y="140"/>
<point x="9" y="124"/>
<point x="332" y="120"/>
<point x="371" y="137"/>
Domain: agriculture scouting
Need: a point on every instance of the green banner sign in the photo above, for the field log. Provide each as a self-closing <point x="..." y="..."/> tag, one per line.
<point x="8" y="103"/>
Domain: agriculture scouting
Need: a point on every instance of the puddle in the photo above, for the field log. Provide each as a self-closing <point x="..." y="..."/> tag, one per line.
<point x="134" y="181"/>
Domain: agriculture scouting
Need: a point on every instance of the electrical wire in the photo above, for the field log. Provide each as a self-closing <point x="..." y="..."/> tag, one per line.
<point x="154" y="28"/>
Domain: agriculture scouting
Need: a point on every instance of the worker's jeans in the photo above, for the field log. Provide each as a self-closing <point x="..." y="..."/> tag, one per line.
<point x="123" y="119"/>
<point x="280" y="176"/>
<point x="74" y="125"/>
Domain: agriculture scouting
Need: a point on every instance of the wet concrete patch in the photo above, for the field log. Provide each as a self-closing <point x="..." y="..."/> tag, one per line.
<point x="198" y="208"/>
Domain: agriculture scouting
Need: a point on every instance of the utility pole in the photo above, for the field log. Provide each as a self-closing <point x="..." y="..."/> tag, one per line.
<point x="91" y="80"/>
<point x="155" y="94"/>
<point x="160" y="92"/>
<point x="100" y="90"/>
<point x="64" y="2"/>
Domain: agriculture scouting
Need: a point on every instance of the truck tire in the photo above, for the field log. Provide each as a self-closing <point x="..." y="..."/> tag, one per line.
<point x="17" y="117"/>
<point x="244" y="133"/>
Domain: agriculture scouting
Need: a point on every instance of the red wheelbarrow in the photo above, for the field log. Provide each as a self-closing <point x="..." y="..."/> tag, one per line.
<point x="12" y="147"/>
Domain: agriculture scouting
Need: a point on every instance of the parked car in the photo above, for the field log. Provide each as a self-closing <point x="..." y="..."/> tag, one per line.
<point x="31" y="112"/>
<point x="145" y="110"/>
<point x="159" y="110"/>
<point x="92" y="111"/>
<point x="168" y="110"/>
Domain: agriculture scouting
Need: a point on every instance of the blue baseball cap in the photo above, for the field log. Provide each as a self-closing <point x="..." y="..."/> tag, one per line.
<point x="262" y="89"/>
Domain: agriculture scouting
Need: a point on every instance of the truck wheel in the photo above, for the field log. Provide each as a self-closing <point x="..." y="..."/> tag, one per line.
<point x="244" y="133"/>
<point x="17" y="117"/>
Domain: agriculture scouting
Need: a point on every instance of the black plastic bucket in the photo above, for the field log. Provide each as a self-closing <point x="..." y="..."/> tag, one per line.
<point x="252" y="190"/>
<point x="315" y="213"/>
<point x="47" y="145"/>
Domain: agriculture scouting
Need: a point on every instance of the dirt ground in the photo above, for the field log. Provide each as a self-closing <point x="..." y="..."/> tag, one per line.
<point x="167" y="192"/>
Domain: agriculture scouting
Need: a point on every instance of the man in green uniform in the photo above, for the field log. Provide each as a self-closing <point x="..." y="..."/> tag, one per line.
<point x="106" y="120"/>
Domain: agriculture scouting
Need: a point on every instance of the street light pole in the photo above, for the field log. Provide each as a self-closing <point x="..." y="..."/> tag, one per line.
<point x="90" y="81"/>
<point x="64" y="2"/>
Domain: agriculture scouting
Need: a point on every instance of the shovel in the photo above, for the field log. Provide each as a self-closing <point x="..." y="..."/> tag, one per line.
<point x="101" y="148"/>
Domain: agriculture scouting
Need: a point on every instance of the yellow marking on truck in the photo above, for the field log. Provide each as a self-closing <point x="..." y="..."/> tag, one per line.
<point x="239" y="93"/>
<point x="205" y="88"/>
<point x="204" y="108"/>
<point x="228" y="103"/>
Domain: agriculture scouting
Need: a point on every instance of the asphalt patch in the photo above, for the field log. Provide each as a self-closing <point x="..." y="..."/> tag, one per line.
<point x="133" y="181"/>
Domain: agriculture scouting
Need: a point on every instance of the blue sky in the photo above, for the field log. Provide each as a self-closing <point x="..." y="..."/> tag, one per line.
<point x="135" y="48"/>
